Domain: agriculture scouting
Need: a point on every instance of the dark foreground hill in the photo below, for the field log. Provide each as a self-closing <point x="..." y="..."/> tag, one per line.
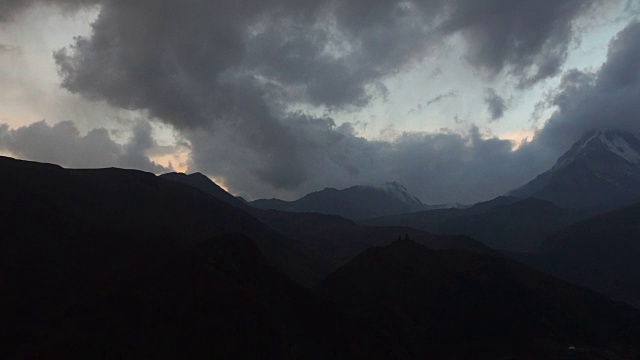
<point x="504" y="223"/>
<point x="217" y="299"/>
<point x="463" y="305"/>
<point x="118" y="263"/>
<point x="602" y="253"/>
<point x="330" y="240"/>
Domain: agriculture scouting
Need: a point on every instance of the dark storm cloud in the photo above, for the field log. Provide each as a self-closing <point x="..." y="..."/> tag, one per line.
<point x="495" y="104"/>
<point x="63" y="144"/>
<point x="443" y="167"/>
<point x="236" y="67"/>
<point x="529" y="39"/>
<point x="608" y="99"/>
<point x="227" y="74"/>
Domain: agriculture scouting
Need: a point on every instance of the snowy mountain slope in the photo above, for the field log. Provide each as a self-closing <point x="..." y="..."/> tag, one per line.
<point x="600" y="171"/>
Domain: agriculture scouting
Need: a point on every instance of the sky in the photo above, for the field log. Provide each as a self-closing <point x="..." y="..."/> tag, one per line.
<point x="460" y="100"/>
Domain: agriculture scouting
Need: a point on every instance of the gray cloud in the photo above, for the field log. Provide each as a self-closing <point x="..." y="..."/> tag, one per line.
<point x="446" y="166"/>
<point x="441" y="167"/>
<point x="528" y="39"/>
<point x="235" y="67"/>
<point x="450" y="94"/>
<point x="226" y="74"/>
<point x="63" y="144"/>
<point x="10" y="8"/>
<point x="495" y="104"/>
<point x="609" y="98"/>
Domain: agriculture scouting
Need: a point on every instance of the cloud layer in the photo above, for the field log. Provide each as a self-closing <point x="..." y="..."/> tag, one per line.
<point x="62" y="143"/>
<point x="233" y="76"/>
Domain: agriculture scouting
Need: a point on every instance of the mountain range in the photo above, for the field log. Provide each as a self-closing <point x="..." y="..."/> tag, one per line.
<point x="113" y="262"/>
<point x="592" y="240"/>
<point x="122" y="263"/>
<point x="355" y="203"/>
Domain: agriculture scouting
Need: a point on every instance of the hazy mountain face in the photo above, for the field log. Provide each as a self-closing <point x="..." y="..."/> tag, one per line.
<point x="600" y="171"/>
<point x="356" y="203"/>
<point x="601" y="253"/>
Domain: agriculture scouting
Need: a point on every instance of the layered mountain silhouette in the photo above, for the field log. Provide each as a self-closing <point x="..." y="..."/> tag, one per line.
<point x="356" y="202"/>
<point x="462" y="305"/>
<point x="505" y="223"/>
<point x="601" y="252"/>
<point x="330" y="239"/>
<point x="601" y="171"/>
<point x="121" y="263"/>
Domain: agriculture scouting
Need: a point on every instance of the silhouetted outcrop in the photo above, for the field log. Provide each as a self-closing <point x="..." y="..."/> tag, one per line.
<point x="460" y="305"/>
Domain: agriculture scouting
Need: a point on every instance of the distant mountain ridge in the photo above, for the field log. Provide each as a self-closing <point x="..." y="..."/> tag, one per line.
<point x="600" y="171"/>
<point x="355" y="203"/>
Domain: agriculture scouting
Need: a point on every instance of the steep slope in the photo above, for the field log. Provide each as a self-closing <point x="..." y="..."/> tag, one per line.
<point x="601" y="253"/>
<point x="521" y="226"/>
<point x="456" y="304"/>
<point x="601" y="171"/>
<point x="356" y="203"/>
<point x="430" y="220"/>
<point x="504" y="223"/>
<point x="202" y="182"/>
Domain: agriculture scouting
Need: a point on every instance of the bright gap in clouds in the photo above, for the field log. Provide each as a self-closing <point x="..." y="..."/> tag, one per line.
<point x="31" y="92"/>
<point x="29" y="78"/>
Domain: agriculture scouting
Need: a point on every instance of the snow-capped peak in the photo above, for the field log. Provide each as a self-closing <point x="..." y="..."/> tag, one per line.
<point x="625" y="145"/>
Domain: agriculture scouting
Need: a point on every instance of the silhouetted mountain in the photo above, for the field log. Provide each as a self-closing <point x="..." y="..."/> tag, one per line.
<point x="356" y="203"/>
<point x="430" y="220"/>
<point x="504" y="223"/>
<point x="331" y="240"/>
<point x="601" y="171"/>
<point x="462" y="305"/>
<point x="110" y="262"/>
<point x="601" y="253"/>
<point x="334" y="240"/>
<point x="520" y="226"/>
<point x="202" y="182"/>
<point x="121" y="263"/>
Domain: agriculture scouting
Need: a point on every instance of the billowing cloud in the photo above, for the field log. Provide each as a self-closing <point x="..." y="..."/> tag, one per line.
<point x="528" y="39"/>
<point x="442" y="167"/>
<point x="235" y="77"/>
<point x="63" y="144"/>
<point x="608" y="98"/>
<point x="495" y="104"/>
<point x="238" y="67"/>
